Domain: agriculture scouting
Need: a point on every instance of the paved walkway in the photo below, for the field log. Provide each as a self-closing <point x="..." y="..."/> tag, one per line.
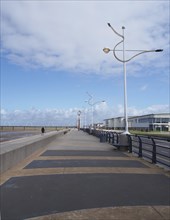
<point x="78" y="178"/>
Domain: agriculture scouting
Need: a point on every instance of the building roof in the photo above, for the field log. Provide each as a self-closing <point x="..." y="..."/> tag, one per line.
<point x="141" y="116"/>
<point x="152" y="115"/>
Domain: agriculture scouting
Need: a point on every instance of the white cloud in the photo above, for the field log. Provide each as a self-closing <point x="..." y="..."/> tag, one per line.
<point x="59" y="117"/>
<point x="71" y="35"/>
<point x="144" y="87"/>
<point x="153" y="109"/>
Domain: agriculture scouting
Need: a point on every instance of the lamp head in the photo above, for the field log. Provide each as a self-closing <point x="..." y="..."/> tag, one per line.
<point x="106" y="50"/>
<point x="159" y="50"/>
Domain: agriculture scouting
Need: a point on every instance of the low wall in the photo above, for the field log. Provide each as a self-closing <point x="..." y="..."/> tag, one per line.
<point x="13" y="152"/>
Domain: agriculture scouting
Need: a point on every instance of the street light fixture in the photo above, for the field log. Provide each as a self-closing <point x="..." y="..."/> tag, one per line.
<point x="106" y="50"/>
<point x="124" y="61"/>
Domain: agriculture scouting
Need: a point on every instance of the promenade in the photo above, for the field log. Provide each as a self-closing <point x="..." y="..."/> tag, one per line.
<point x="76" y="177"/>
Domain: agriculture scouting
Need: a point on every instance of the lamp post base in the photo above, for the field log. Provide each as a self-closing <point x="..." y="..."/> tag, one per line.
<point x="126" y="132"/>
<point x="123" y="143"/>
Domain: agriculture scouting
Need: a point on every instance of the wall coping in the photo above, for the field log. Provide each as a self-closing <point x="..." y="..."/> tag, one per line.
<point x="20" y="142"/>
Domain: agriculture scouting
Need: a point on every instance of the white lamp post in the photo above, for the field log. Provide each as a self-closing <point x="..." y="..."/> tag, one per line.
<point x="92" y="104"/>
<point x="78" y="120"/>
<point x="85" y="123"/>
<point x="124" y="61"/>
<point x="84" y="117"/>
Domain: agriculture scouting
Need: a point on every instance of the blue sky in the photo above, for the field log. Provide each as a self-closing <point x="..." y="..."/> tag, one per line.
<point x="51" y="56"/>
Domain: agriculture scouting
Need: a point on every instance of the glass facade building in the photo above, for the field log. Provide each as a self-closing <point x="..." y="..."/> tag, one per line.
<point x="150" y="122"/>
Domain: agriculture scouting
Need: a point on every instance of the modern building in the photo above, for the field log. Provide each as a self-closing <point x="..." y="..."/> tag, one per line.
<point x="114" y="123"/>
<point x="150" y="122"/>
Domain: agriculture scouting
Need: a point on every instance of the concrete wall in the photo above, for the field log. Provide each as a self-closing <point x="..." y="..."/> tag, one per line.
<point x="13" y="152"/>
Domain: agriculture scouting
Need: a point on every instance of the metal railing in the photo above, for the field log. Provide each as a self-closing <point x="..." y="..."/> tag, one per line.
<point x="153" y="149"/>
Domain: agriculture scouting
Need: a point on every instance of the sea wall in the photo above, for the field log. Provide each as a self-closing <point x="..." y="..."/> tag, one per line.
<point x="13" y="152"/>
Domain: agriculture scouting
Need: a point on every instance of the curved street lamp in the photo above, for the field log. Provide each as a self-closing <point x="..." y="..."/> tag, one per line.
<point x="124" y="61"/>
<point x="92" y="104"/>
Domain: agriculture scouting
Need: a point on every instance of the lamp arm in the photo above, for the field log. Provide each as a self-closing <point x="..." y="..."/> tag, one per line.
<point x="114" y="51"/>
<point x="90" y="99"/>
<point x="98" y="102"/>
<point x="115" y="31"/>
<point x="145" y="51"/>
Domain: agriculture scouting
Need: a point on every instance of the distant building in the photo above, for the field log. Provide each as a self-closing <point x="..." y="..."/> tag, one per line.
<point x="99" y="125"/>
<point x="114" y="123"/>
<point x="150" y="122"/>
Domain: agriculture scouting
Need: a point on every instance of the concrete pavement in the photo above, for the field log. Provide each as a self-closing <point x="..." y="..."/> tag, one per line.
<point x="76" y="177"/>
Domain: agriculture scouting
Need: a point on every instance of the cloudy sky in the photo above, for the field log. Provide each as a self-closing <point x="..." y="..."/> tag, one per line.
<point x="52" y="60"/>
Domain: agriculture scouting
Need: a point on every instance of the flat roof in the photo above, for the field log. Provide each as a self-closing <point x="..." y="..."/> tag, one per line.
<point x="139" y="116"/>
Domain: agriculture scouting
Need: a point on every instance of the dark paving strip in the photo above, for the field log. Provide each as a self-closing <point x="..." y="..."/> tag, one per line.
<point x="25" y="197"/>
<point x="82" y="153"/>
<point x="84" y="163"/>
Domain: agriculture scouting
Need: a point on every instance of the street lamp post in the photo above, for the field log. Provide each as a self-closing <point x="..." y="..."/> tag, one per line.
<point x="124" y="61"/>
<point x="78" y="120"/>
<point x="92" y="104"/>
<point x="84" y="118"/>
<point x="85" y="123"/>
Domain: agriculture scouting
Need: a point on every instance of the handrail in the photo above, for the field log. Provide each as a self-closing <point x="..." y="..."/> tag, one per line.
<point x="157" y="150"/>
<point x="156" y="157"/>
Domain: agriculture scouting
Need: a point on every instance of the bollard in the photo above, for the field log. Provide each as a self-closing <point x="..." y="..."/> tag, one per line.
<point x="130" y="143"/>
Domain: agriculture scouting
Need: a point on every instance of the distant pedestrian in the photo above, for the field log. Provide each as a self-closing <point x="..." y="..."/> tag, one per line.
<point x="42" y="130"/>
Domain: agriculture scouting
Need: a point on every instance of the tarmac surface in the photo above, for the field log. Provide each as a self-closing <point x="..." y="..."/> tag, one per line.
<point x="78" y="178"/>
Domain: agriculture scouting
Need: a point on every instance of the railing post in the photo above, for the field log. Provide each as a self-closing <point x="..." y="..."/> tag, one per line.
<point x="109" y="136"/>
<point x="117" y="138"/>
<point x="106" y="136"/>
<point x="153" y="151"/>
<point x="113" y="138"/>
<point x="140" y="147"/>
<point x="130" y="143"/>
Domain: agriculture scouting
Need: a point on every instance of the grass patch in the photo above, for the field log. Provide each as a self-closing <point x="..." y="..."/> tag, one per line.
<point x="151" y="133"/>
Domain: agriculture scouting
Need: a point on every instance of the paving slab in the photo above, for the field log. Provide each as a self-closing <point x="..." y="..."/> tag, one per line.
<point x="83" y="153"/>
<point x="84" y="163"/>
<point x="39" y="195"/>
<point x="79" y="140"/>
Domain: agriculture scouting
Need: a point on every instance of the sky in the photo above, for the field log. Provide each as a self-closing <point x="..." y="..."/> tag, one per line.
<point x="53" y="64"/>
